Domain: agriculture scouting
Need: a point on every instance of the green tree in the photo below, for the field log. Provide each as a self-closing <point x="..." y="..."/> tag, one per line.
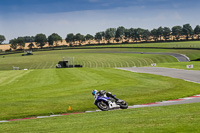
<point x="80" y="38"/>
<point x="21" y="42"/>
<point x="40" y="40"/>
<point x="17" y="42"/>
<point x="2" y="38"/>
<point x="166" y="32"/>
<point x="29" y="39"/>
<point x="54" y="38"/>
<point x="197" y="31"/>
<point x="120" y="33"/>
<point x="103" y="35"/>
<point x="177" y="31"/>
<point x="110" y="34"/>
<point x="70" y="39"/>
<point x="132" y="34"/>
<point x="98" y="37"/>
<point x="13" y="43"/>
<point x="127" y="35"/>
<point x="187" y="30"/>
<point x="146" y="34"/>
<point x="154" y="34"/>
<point x="160" y="32"/>
<point x="138" y="33"/>
<point x="89" y="37"/>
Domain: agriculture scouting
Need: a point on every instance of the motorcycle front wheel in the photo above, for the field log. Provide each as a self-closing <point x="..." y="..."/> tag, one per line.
<point x="102" y="106"/>
<point x="123" y="105"/>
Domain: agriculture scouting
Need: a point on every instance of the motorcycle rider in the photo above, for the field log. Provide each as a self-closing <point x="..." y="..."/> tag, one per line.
<point x="103" y="93"/>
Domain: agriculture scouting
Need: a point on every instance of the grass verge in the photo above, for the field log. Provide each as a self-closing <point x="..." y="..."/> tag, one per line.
<point x="184" y="44"/>
<point x="174" y="118"/>
<point x="181" y="65"/>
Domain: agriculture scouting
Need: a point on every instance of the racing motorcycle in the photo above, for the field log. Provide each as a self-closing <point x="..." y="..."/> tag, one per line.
<point x="105" y="103"/>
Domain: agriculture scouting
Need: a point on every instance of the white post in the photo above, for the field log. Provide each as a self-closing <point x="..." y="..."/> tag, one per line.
<point x="73" y="61"/>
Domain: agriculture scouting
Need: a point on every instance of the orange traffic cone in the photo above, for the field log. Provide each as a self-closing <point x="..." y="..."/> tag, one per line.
<point x="69" y="108"/>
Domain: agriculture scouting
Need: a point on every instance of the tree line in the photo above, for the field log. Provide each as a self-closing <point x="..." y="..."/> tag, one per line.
<point x="110" y="35"/>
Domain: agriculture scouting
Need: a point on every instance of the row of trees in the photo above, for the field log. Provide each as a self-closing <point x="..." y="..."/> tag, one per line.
<point x="26" y="39"/>
<point x="39" y="39"/>
<point x="139" y="34"/>
<point x="110" y="35"/>
<point x="122" y="34"/>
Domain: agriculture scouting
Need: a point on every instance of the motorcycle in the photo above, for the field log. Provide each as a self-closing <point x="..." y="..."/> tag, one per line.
<point x="105" y="103"/>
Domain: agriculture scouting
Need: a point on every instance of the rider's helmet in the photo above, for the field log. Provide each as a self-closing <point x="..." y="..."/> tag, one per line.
<point x="94" y="92"/>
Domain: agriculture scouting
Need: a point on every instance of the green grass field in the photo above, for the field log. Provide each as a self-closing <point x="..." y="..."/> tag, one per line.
<point x="43" y="90"/>
<point x="51" y="91"/>
<point x="181" y="65"/>
<point x="87" y="58"/>
<point x="170" y="119"/>
<point x="92" y="58"/>
<point x="184" y="44"/>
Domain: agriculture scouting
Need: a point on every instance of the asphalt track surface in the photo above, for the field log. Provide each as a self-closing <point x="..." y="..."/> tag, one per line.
<point x="187" y="75"/>
<point x="179" y="57"/>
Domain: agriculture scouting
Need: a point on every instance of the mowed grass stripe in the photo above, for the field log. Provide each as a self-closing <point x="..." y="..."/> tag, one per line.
<point x="41" y="60"/>
<point x="9" y="77"/>
<point x="139" y="62"/>
<point x="52" y="65"/>
<point x="51" y="91"/>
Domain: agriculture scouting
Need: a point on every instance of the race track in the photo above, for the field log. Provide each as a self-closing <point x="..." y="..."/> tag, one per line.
<point x="188" y="75"/>
<point x="179" y="57"/>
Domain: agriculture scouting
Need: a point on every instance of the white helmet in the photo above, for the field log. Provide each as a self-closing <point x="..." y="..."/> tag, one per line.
<point x="94" y="92"/>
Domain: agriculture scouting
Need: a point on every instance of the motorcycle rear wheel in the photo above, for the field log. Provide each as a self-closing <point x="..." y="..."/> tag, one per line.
<point x="102" y="106"/>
